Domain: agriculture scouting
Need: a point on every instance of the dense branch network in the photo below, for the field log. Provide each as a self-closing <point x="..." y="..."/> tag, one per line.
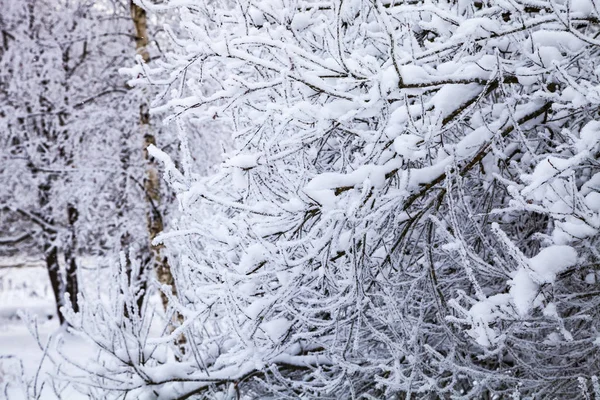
<point x="411" y="207"/>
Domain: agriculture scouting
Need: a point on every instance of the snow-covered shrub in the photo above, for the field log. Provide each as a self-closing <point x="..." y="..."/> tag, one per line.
<point x="411" y="208"/>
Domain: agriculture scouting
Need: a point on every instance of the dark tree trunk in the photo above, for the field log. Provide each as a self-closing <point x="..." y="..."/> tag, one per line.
<point x="51" y="256"/>
<point x="50" y="249"/>
<point x="71" y="283"/>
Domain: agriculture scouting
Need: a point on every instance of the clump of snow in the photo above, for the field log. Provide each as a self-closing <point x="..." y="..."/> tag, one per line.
<point x="276" y="328"/>
<point x="523" y="291"/>
<point x="592" y="200"/>
<point x="543" y="268"/>
<point x="547" y="170"/>
<point x="553" y="339"/>
<point x="589" y="136"/>
<point x="524" y="288"/>
<point x="243" y="161"/>
<point x="525" y="76"/>
<point x="591" y="278"/>
<point x="575" y="228"/>
<point x="408" y="147"/>
<point x="477" y="28"/>
<point x="547" y="55"/>
<point x="551" y="261"/>
<point x="482" y="314"/>
<point x="388" y="80"/>
<point x="414" y="74"/>
<point x="573" y="96"/>
<point x="550" y="310"/>
<point x="301" y="21"/>
<point x="558" y="39"/>
<point x="321" y="187"/>
<point x="254" y="255"/>
<point x="584" y="7"/>
<point x="451" y="97"/>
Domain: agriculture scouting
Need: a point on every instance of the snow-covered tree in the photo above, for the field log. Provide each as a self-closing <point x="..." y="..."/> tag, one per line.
<point x="411" y="208"/>
<point x="71" y="171"/>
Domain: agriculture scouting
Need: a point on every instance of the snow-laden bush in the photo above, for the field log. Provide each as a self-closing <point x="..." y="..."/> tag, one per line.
<point x="412" y="208"/>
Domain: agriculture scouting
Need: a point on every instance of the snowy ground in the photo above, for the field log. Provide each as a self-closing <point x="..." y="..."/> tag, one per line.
<point x="27" y="289"/>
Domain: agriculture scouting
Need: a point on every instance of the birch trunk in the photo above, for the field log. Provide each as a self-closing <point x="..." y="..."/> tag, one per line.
<point x="152" y="179"/>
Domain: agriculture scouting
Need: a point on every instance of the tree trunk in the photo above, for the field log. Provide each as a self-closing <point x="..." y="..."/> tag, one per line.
<point x="152" y="179"/>
<point x="59" y="285"/>
<point x="71" y="283"/>
<point x="51" y="257"/>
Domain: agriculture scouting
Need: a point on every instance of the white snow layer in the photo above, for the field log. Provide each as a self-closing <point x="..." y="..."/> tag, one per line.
<point x="524" y="289"/>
